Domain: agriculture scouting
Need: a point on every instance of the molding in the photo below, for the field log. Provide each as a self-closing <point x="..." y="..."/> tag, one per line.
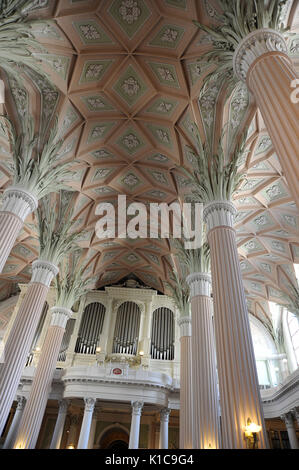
<point x="219" y="213"/>
<point x="185" y="326"/>
<point x="137" y="407"/>
<point x="43" y="272"/>
<point x="253" y="46"/>
<point x="60" y="316"/>
<point x="19" y="201"/>
<point x="200" y="284"/>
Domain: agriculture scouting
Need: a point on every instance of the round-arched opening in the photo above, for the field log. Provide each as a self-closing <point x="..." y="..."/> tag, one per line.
<point x="114" y="439"/>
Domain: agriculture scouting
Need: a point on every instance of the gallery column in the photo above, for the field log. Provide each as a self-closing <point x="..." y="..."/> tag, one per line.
<point x="17" y="204"/>
<point x="186" y="396"/>
<point x="19" y="340"/>
<point x="59" y="426"/>
<point x="135" y="424"/>
<point x="164" y="422"/>
<point x="10" y="438"/>
<point x="204" y="377"/>
<point x="37" y="401"/>
<point x="238" y="382"/>
<point x="288" y="419"/>
<point x="261" y="60"/>
<point x="86" y="423"/>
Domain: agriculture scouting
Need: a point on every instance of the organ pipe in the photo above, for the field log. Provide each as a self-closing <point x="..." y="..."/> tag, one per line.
<point x="162" y="338"/>
<point x="90" y="328"/>
<point x="126" y="331"/>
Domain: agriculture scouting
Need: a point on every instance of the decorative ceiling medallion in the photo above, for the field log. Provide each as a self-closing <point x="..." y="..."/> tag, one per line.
<point x="169" y="36"/>
<point x="130" y="180"/>
<point x="130" y="87"/>
<point x="99" y="131"/>
<point x="165" y="74"/>
<point x="161" y="134"/>
<point x="162" y="107"/>
<point x="97" y="102"/>
<point x="130" y="15"/>
<point x="91" y="32"/>
<point x="94" y="70"/>
<point x="130" y="142"/>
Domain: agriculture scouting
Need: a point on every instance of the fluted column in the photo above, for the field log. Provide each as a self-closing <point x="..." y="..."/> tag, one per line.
<point x="37" y="401"/>
<point x="86" y="423"/>
<point x="204" y="377"/>
<point x="262" y="61"/>
<point x="186" y="398"/>
<point x="59" y="426"/>
<point x="164" y="421"/>
<point x="17" y="204"/>
<point x="238" y="382"/>
<point x="290" y="425"/>
<point x="135" y="424"/>
<point x="93" y="429"/>
<point x="10" y="438"/>
<point x="19" y="340"/>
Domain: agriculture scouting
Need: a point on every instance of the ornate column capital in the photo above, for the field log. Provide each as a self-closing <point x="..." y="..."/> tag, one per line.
<point x="21" y="402"/>
<point x="137" y="407"/>
<point x="19" y="201"/>
<point x="219" y="213"/>
<point x="60" y="316"/>
<point x="295" y="412"/>
<point x="43" y="272"/>
<point x="200" y="284"/>
<point x="288" y="419"/>
<point x="89" y="404"/>
<point x="253" y="46"/>
<point x="164" y="414"/>
<point x="185" y="326"/>
<point x="63" y="406"/>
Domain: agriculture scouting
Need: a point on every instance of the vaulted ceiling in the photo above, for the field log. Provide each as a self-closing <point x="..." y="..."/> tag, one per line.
<point x="125" y="80"/>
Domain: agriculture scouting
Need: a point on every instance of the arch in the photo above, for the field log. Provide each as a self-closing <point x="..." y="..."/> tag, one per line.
<point x="126" y="331"/>
<point x="90" y="328"/>
<point x="162" y="335"/>
<point x="115" y="436"/>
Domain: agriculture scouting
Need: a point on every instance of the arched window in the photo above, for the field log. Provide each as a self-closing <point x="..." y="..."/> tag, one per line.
<point x="293" y="324"/>
<point x="162" y="339"/>
<point x="90" y="328"/>
<point x="126" y="332"/>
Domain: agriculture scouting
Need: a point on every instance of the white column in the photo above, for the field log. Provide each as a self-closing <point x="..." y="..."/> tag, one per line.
<point x="186" y="397"/>
<point x="295" y="411"/>
<point x="164" y="421"/>
<point x="86" y="423"/>
<point x="20" y="337"/>
<point x="135" y="424"/>
<point x="238" y="382"/>
<point x="290" y="425"/>
<point x="59" y="426"/>
<point x="10" y="438"/>
<point x="17" y="204"/>
<point x="206" y="433"/>
<point x="93" y="429"/>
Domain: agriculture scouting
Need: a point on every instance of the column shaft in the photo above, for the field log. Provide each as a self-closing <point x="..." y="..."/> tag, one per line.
<point x="86" y="423"/>
<point x="164" y="421"/>
<point x="18" y="345"/>
<point x="59" y="426"/>
<point x="290" y="425"/>
<point x="10" y="226"/>
<point x="186" y="397"/>
<point x="238" y="382"/>
<point x="19" y="340"/>
<point x="204" y="376"/>
<point x="135" y="425"/>
<point x="36" y="404"/>
<point x="10" y="438"/>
